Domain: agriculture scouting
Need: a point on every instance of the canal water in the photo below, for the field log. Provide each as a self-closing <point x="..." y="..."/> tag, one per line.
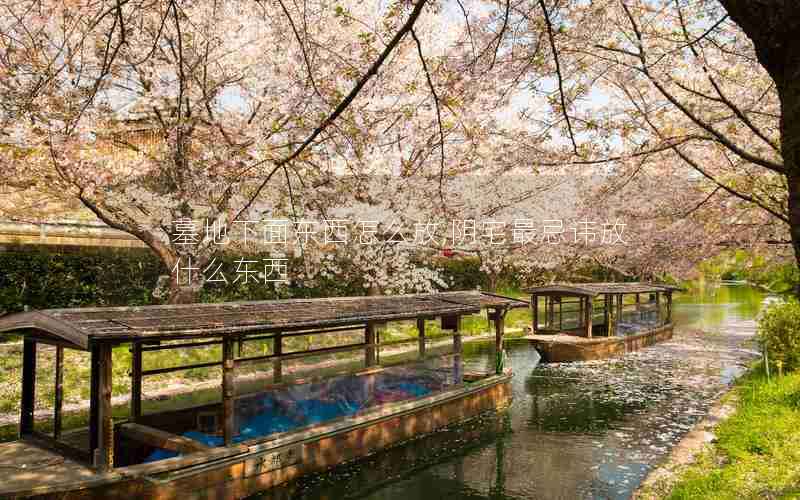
<point x="582" y="430"/>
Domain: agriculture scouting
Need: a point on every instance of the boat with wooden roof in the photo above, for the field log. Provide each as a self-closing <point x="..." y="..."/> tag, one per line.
<point x="588" y="321"/>
<point x="268" y="431"/>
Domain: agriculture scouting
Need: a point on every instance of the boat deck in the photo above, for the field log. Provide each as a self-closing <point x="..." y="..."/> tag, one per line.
<point x="25" y="466"/>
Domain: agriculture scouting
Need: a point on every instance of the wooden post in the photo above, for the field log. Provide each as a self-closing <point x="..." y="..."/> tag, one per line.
<point x="619" y="314"/>
<point x="535" y="312"/>
<point x="277" y="365"/>
<point x="94" y="424"/>
<point x="638" y="308"/>
<point x="669" y="307"/>
<point x="458" y="368"/>
<point x="101" y="424"/>
<point x="588" y="316"/>
<point x="560" y="313"/>
<point x="551" y="313"/>
<point x="370" y="339"/>
<point x="607" y="313"/>
<point x="378" y="329"/>
<point x="421" y="338"/>
<point x="581" y="319"/>
<point x="59" y="394"/>
<point x="658" y="307"/>
<point x="136" y="381"/>
<point x="499" y="332"/>
<point x="228" y="391"/>
<point x="28" y="387"/>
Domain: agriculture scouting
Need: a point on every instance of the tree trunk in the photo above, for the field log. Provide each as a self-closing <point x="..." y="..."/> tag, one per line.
<point x="492" y="281"/>
<point x="789" y="92"/>
<point x="182" y="295"/>
<point x="772" y="25"/>
<point x="790" y="133"/>
<point x="185" y="284"/>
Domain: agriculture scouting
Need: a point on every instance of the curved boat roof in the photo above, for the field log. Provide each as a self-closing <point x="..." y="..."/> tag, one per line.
<point x="79" y="327"/>
<point x="594" y="289"/>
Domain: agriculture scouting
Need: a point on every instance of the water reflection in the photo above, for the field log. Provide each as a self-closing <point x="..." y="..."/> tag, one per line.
<point x="582" y="430"/>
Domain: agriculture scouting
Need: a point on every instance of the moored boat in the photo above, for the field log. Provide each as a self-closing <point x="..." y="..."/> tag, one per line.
<point x="271" y="426"/>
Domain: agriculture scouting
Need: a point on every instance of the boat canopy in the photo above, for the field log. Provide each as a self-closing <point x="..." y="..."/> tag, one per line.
<point x="595" y="289"/>
<point x="80" y="327"/>
<point x="246" y="340"/>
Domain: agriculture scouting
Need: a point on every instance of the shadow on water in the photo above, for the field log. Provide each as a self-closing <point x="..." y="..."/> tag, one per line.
<point x="580" y="430"/>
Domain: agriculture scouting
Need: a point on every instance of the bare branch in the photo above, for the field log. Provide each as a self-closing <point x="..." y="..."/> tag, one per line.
<point x="343" y="105"/>
<point x="564" y="110"/>
<point x="438" y="112"/>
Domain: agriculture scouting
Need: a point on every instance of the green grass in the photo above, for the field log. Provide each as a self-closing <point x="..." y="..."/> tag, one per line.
<point x="757" y="454"/>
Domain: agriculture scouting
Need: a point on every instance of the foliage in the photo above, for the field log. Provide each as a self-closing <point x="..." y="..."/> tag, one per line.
<point x="237" y="125"/>
<point x="773" y="271"/>
<point x="40" y="279"/>
<point x="462" y="272"/>
<point x="779" y="333"/>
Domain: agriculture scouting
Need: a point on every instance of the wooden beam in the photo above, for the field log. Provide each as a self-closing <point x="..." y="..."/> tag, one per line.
<point x="669" y="307"/>
<point x="186" y="345"/>
<point x="277" y="365"/>
<point x="370" y="339"/>
<point x="170" y="369"/>
<point x="294" y="355"/>
<point x="454" y="324"/>
<point x="499" y="332"/>
<point x="658" y="307"/>
<point x="28" y="402"/>
<point x="102" y="425"/>
<point x="136" y="381"/>
<point x="589" y="312"/>
<point x="94" y="424"/>
<point x="535" y="312"/>
<point x="458" y="367"/>
<point x="59" y="392"/>
<point x="421" y="330"/>
<point x="161" y="439"/>
<point x="228" y="391"/>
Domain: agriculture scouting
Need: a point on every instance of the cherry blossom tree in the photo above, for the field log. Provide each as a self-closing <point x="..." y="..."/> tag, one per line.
<point x="162" y="117"/>
<point x="641" y="88"/>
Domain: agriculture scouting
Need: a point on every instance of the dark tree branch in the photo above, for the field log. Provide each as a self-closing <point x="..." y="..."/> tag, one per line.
<point x="722" y="97"/>
<point x="557" y="62"/>
<point x="302" y="49"/>
<point x="438" y="112"/>
<point x="343" y="105"/>
<point x="722" y="139"/>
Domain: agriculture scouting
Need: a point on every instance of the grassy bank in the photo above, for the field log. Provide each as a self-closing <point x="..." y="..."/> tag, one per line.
<point x="757" y="452"/>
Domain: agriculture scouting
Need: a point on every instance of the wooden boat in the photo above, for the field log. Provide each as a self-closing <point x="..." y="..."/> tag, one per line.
<point x="573" y="327"/>
<point x="250" y="440"/>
